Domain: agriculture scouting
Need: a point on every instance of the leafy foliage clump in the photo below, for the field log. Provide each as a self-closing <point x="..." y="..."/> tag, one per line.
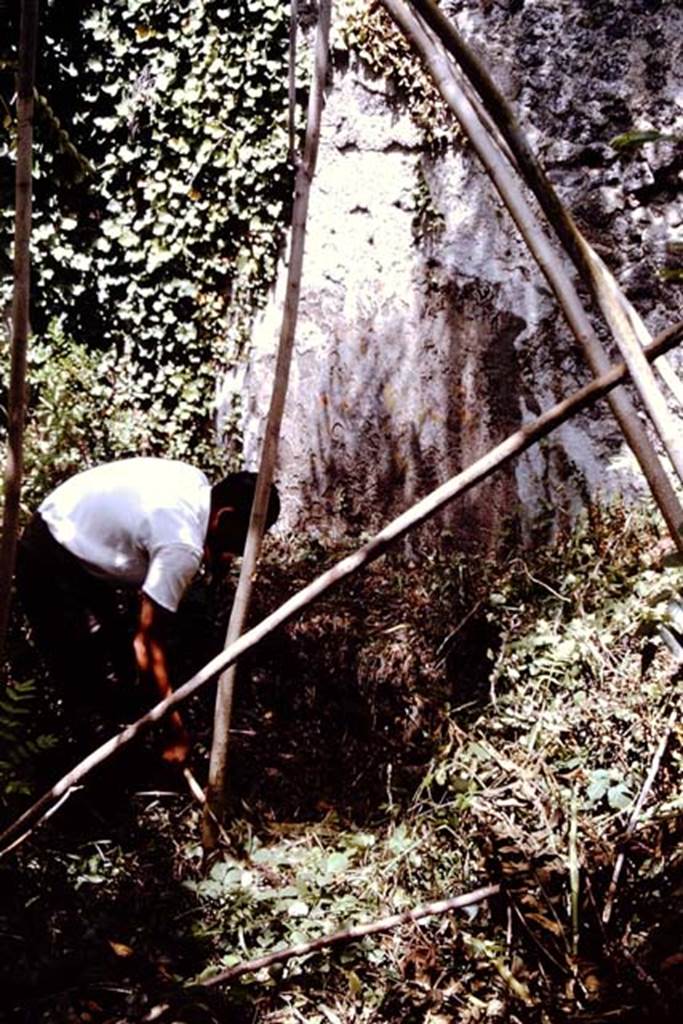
<point x="162" y="188"/>
<point x="83" y="410"/>
<point x="367" y="33"/>
<point x="21" y="744"/>
<point x="432" y="727"/>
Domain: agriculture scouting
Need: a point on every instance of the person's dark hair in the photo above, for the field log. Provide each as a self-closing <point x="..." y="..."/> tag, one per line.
<point x="237" y="491"/>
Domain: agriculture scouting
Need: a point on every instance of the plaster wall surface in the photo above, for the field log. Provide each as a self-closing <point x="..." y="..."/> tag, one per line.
<point x="426" y="333"/>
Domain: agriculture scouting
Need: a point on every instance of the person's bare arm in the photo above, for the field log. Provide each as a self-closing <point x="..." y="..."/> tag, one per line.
<point x="150" y="654"/>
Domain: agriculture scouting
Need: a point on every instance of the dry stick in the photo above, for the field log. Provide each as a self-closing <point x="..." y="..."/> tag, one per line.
<point x="28" y="34"/>
<point x="200" y="796"/>
<point x="409" y="520"/>
<point x="593" y="272"/>
<point x="216" y="792"/>
<point x="291" y="112"/>
<point x="635" y="814"/>
<point x="354" y="933"/>
<point x="574" y="871"/>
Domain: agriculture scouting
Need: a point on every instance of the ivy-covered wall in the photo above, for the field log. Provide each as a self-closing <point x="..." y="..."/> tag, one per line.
<point x="161" y="189"/>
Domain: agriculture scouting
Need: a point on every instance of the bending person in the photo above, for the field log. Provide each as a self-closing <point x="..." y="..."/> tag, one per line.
<point x="140" y="523"/>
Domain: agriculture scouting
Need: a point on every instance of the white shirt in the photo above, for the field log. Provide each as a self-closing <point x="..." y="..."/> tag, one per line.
<point x="137" y="521"/>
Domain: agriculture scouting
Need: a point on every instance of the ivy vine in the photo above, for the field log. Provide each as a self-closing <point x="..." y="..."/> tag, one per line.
<point x="179" y="108"/>
<point x="367" y="32"/>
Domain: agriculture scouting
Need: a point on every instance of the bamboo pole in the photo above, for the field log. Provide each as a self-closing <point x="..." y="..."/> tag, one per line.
<point x="409" y="520"/>
<point x="218" y="765"/>
<point x="28" y="36"/>
<point x="627" y="327"/>
<point x="574" y="241"/>
<point x="635" y="814"/>
<point x="664" y="367"/>
<point x="291" y="91"/>
<point x="353" y="934"/>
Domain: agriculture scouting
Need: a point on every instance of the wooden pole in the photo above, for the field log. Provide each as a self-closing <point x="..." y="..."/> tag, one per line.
<point x="419" y="513"/>
<point x="291" y="91"/>
<point x="218" y="765"/>
<point x="28" y="36"/>
<point x="353" y="934"/>
<point x="627" y="328"/>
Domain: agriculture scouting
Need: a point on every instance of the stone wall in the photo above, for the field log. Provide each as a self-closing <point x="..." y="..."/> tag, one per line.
<point x="426" y="334"/>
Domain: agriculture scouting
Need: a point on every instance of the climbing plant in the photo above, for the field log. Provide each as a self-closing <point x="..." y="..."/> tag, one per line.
<point x="366" y="33"/>
<point x="162" y="188"/>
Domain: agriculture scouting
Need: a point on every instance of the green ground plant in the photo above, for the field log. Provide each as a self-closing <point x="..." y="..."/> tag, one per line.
<point x="424" y="732"/>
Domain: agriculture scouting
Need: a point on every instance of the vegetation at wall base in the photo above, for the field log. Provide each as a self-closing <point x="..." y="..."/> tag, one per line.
<point x="429" y="729"/>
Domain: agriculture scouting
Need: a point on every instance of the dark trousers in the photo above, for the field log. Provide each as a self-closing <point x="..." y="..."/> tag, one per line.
<point x="81" y="629"/>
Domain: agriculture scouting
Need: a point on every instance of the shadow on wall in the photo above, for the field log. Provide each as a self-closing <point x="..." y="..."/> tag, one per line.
<point x="403" y="409"/>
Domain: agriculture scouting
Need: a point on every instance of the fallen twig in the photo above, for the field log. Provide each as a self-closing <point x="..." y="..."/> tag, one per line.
<point x="200" y="796"/>
<point x="194" y="787"/>
<point x="359" y="931"/>
<point x="574" y="871"/>
<point x="635" y="814"/>
<point x="217" y="786"/>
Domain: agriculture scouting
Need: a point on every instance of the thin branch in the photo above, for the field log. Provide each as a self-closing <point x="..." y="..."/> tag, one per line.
<point x="199" y="796"/>
<point x="48" y="814"/>
<point x="616" y="309"/>
<point x="291" y="112"/>
<point x="16" y="413"/>
<point x="635" y="815"/>
<point x="195" y="789"/>
<point x="574" y="871"/>
<point x="353" y="934"/>
<point x="415" y="516"/>
<point x="218" y="766"/>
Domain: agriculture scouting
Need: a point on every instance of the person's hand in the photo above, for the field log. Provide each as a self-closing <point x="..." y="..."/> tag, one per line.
<point x="176" y="752"/>
<point x="177" y="747"/>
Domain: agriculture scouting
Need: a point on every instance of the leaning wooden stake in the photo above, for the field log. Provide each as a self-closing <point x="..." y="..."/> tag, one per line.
<point x="353" y="934"/>
<point x="626" y="326"/>
<point x="218" y="765"/>
<point x="20" y="307"/>
<point x="419" y="513"/>
<point x="635" y="814"/>
<point x="291" y="92"/>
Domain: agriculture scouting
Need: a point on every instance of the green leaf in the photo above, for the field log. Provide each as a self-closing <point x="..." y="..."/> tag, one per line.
<point x="635" y="138"/>
<point x="297" y="908"/>
<point x="337" y="863"/>
<point x="619" y="797"/>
